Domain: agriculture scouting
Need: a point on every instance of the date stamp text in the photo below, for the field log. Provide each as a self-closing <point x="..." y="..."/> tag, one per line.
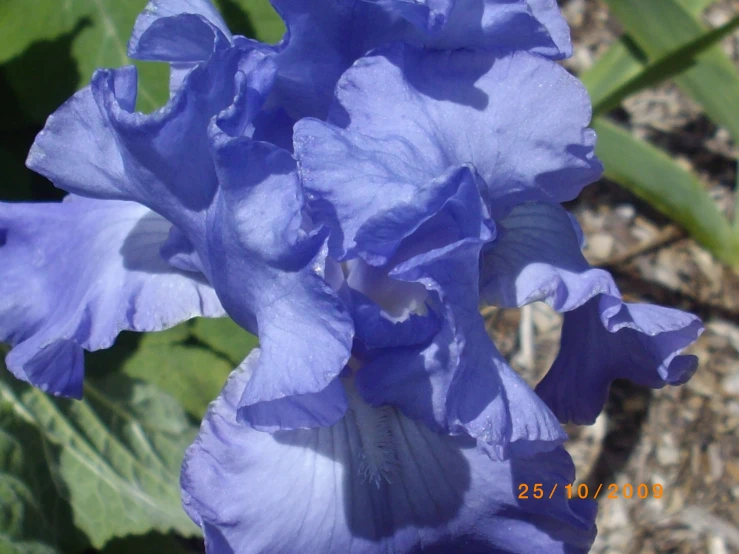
<point x="628" y="491"/>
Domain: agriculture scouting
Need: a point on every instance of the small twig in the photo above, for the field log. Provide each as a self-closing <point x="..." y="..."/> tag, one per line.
<point x="666" y="236"/>
<point x="526" y="333"/>
<point x="488" y="312"/>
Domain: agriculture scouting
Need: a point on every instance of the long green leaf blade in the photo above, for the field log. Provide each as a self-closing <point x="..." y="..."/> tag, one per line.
<point x="654" y="176"/>
<point x="620" y="63"/>
<point x="624" y="60"/>
<point x="695" y="7"/>
<point x="664" y="68"/>
<point x="660" y="26"/>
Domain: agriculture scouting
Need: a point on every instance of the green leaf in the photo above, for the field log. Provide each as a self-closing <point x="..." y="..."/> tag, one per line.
<point x="736" y="200"/>
<point x="623" y="61"/>
<point x="252" y="18"/>
<point x="666" y="67"/>
<point x="26" y="547"/>
<point x="62" y="43"/>
<point x="695" y="7"/>
<point x="28" y="518"/>
<point x="114" y="457"/>
<point x="654" y="176"/>
<point x="620" y="63"/>
<point x="191" y="362"/>
<point x="151" y="543"/>
<point x="16" y="183"/>
<point x="224" y="337"/>
<point x="19" y="30"/>
<point x="660" y="27"/>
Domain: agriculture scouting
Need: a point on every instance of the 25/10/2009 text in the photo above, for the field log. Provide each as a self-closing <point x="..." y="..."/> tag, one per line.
<point x="643" y="491"/>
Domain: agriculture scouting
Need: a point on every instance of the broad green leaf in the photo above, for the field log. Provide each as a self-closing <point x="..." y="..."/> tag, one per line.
<point x="25" y="548"/>
<point x="63" y="42"/>
<point x="14" y="116"/>
<point x="664" y="68"/>
<point x="16" y="182"/>
<point x="661" y="26"/>
<point x="252" y="18"/>
<point x="224" y="337"/>
<point x="48" y="22"/>
<point x="114" y="457"/>
<point x="151" y="543"/>
<point x="29" y="520"/>
<point x="191" y="362"/>
<point x="654" y="176"/>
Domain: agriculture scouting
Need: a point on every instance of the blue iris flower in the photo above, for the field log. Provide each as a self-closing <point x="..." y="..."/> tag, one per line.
<point x="350" y="195"/>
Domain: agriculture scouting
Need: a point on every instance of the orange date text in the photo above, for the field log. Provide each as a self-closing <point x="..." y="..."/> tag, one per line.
<point x="538" y="491"/>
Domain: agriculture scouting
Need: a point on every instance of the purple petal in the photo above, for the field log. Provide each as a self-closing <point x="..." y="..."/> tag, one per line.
<point x="177" y="31"/>
<point x="537" y="258"/>
<point x="607" y="339"/>
<point x="325" y="38"/>
<point x="240" y="219"/>
<point x="75" y="274"/>
<point x="181" y="32"/>
<point x="429" y="16"/>
<point x="180" y="252"/>
<point x="374" y="482"/>
<point x="548" y="14"/>
<point x="535" y="26"/>
<point x="254" y="80"/>
<point x="267" y="271"/>
<point x="460" y="383"/>
<point x="443" y="110"/>
<point x="297" y="411"/>
<point x="387" y="312"/>
<point x="372" y="192"/>
<point x="180" y="39"/>
<point x="95" y="145"/>
<point x="392" y="312"/>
